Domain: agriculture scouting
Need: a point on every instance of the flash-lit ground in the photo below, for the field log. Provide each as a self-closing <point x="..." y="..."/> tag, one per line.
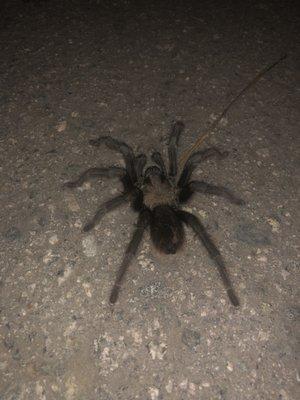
<point x="71" y="71"/>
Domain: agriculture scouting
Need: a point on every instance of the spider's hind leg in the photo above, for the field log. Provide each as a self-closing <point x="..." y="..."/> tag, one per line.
<point x="212" y="250"/>
<point x="104" y="208"/>
<point x="143" y="222"/>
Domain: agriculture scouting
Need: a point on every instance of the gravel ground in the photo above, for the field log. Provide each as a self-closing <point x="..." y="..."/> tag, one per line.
<point x="71" y="71"/>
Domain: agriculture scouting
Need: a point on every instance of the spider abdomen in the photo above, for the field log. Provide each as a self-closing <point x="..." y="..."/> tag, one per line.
<point x="166" y="229"/>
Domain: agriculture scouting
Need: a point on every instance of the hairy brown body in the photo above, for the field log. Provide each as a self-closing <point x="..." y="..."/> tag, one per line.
<point x="158" y="192"/>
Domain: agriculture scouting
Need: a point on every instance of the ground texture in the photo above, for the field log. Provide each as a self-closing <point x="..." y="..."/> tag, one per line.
<point x="71" y="71"/>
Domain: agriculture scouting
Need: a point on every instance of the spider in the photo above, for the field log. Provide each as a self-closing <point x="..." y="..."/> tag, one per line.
<point x="157" y="194"/>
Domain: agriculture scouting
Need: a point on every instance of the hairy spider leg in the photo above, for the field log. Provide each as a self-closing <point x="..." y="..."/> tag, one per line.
<point x="121" y="147"/>
<point x="203" y="187"/>
<point x="212" y="250"/>
<point x="140" y="162"/>
<point x="142" y="223"/>
<point x="109" y="172"/>
<point x="157" y="158"/>
<point x="196" y="159"/>
<point x="172" y="147"/>
<point x="105" y="208"/>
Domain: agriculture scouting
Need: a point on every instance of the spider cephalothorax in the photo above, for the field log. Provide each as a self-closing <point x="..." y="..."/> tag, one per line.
<point x="157" y="194"/>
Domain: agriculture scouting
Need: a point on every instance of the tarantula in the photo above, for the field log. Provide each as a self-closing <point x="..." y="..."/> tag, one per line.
<point x="156" y="193"/>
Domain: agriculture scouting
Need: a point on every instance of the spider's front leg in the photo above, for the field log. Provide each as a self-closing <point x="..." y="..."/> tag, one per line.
<point x="143" y="222"/>
<point x="121" y="147"/>
<point x="157" y="158"/>
<point x="212" y="250"/>
<point x="140" y="162"/>
<point x="92" y="173"/>
<point x="196" y="159"/>
<point x="172" y="147"/>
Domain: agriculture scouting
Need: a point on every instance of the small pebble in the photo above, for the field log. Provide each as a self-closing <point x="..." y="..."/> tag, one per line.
<point x="89" y="246"/>
<point x="229" y="366"/>
<point x="61" y="126"/>
<point x="169" y="386"/>
<point x="53" y="239"/>
<point x="157" y="350"/>
<point x="184" y="384"/>
<point x="87" y="289"/>
<point x="154" y="393"/>
<point x="192" y="389"/>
